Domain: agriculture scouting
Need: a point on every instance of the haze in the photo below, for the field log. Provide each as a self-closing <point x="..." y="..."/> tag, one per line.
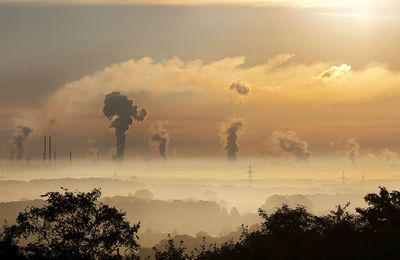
<point x="240" y="104"/>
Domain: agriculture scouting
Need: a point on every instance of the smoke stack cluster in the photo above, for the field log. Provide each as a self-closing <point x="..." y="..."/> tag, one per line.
<point x="160" y="137"/>
<point x="121" y="113"/>
<point x="18" y="142"/>
<point x="47" y="151"/>
<point x="230" y="136"/>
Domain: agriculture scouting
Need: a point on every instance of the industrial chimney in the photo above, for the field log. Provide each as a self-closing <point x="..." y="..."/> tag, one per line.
<point x="70" y="159"/>
<point x="44" y="148"/>
<point x="50" y="148"/>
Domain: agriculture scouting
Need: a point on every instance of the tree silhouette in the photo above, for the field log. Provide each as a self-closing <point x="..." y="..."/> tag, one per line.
<point x="74" y="226"/>
<point x="294" y="233"/>
<point x="77" y="226"/>
<point x="381" y="223"/>
<point x="171" y="251"/>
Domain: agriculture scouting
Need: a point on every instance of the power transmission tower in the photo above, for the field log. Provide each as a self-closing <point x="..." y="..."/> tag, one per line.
<point x="250" y="173"/>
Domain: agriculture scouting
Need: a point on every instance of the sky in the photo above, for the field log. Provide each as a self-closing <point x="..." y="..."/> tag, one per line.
<point x="323" y="76"/>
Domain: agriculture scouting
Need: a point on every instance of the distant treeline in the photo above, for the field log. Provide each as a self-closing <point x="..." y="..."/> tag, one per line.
<point x="78" y="226"/>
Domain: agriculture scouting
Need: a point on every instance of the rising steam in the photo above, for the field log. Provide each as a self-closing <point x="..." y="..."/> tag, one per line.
<point x="229" y="135"/>
<point x="121" y="112"/>
<point x="353" y="150"/>
<point x="160" y="137"/>
<point x="291" y="143"/>
<point x="18" y="142"/>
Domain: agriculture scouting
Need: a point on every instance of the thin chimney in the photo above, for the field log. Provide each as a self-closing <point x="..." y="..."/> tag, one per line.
<point x="50" y="148"/>
<point x="44" y="148"/>
<point x="70" y="159"/>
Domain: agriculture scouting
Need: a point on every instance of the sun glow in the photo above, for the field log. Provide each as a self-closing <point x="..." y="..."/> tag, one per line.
<point x="361" y="7"/>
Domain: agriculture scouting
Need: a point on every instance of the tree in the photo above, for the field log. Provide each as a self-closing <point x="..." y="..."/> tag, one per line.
<point x="381" y="224"/>
<point x="8" y="246"/>
<point x="383" y="212"/>
<point x="171" y="252"/>
<point x="75" y="226"/>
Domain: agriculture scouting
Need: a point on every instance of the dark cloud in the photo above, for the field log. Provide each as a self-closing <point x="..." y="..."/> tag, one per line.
<point x="230" y="134"/>
<point x="240" y="87"/>
<point x="18" y="142"/>
<point x="160" y="137"/>
<point x="121" y="112"/>
<point x="290" y="143"/>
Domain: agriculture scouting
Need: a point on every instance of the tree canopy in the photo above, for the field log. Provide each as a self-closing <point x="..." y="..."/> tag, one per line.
<point x="73" y="225"/>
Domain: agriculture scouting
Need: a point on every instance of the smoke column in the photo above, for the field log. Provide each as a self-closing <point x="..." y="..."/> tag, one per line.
<point x="121" y="112"/>
<point x="160" y="137"/>
<point x="230" y="136"/>
<point x="19" y="140"/>
<point x="353" y="150"/>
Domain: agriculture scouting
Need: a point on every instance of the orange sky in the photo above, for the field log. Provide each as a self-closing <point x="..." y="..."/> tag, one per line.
<point x="335" y="80"/>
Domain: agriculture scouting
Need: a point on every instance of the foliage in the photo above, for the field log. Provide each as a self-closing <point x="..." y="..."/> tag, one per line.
<point x="73" y="226"/>
<point x="77" y="226"/>
<point x="294" y="233"/>
<point x="172" y="251"/>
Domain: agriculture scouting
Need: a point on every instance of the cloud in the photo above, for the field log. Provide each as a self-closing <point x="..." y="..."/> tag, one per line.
<point x="241" y="87"/>
<point x="334" y="72"/>
<point x="291" y="83"/>
<point x="385" y="155"/>
<point x="300" y="3"/>
<point x="290" y="143"/>
<point x="194" y="93"/>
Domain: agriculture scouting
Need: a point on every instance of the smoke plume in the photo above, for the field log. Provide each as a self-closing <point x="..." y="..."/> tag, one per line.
<point x="160" y="137"/>
<point x="93" y="153"/>
<point x="230" y="134"/>
<point x="18" y="142"/>
<point x="121" y="112"/>
<point x="240" y="87"/>
<point x="353" y="150"/>
<point x="291" y="143"/>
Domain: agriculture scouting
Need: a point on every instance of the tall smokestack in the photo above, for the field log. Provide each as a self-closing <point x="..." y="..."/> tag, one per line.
<point x="44" y="148"/>
<point x="50" y="148"/>
<point x="55" y="156"/>
<point x="70" y="159"/>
